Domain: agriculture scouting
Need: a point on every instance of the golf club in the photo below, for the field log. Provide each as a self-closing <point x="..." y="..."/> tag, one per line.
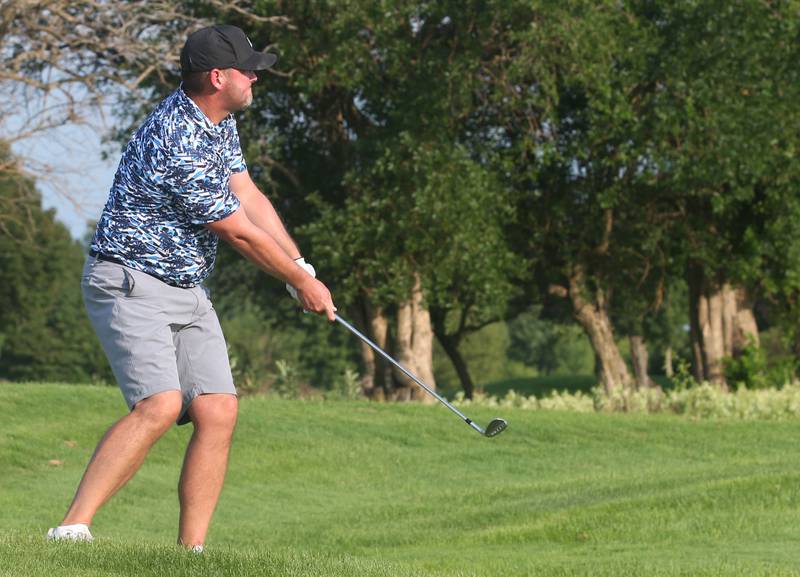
<point x="495" y="427"/>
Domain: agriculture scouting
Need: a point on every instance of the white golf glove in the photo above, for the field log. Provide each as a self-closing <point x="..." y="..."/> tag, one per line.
<point x="306" y="267"/>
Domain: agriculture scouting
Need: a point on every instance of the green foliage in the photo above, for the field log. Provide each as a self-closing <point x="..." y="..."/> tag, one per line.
<point x="578" y="402"/>
<point x="346" y="387"/>
<point x="551" y="348"/>
<point x="683" y="378"/>
<point x="44" y="329"/>
<point x="422" y="207"/>
<point x="625" y="140"/>
<point x="486" y="352"/>
<point x="287" y="383"/>
<point x="701" y="401"/>
<point x="542" y="386"/>
<point x="750" y="369"/>
<point x="252" y="342"/>
<point x="263" y="325"/>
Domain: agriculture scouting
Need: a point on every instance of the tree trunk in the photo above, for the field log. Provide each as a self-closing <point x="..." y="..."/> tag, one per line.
<point x="745" y="327"/>
<point x="695" y="281"/>
<point x="668" y="370"/>
<point x="367" y="354"/>
<point x="722" y="322"/>
<point x="450" y="346"/>
<point x="707" y="305"/>
<point x="612" y="372"/>
<point x="377" y="381"/>
<point x="640" y="357"/>
<point x="728" y="299"/>
<point x="710" y="309"/>
<point x="414" y="346"/>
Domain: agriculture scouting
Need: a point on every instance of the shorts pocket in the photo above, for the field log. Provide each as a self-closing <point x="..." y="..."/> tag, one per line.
<point x="110" y="278"/>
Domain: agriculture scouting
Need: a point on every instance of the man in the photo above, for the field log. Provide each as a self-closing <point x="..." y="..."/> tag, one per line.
<point x="182" y="182"/>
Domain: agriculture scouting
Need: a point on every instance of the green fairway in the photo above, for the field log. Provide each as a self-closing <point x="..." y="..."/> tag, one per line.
<point x="356" y="488"/>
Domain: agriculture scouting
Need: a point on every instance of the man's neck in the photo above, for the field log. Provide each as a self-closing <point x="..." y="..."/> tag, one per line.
<point x="209" y="106"/>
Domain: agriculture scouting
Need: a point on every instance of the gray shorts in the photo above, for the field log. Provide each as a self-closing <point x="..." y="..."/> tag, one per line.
<point x="157" y="337"/>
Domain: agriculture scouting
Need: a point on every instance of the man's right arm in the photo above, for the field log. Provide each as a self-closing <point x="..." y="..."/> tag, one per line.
<point x="264" y="251"/>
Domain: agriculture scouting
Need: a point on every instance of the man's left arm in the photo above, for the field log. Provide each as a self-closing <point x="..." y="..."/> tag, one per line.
<point x="259" y="211"/>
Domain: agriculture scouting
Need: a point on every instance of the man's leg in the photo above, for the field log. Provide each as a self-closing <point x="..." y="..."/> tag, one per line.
<point x="121" y="452"/>
<point x="214" y="418"/>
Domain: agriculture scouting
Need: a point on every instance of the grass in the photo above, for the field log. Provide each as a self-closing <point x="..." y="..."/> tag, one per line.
<point x="351" y="488"/>
<point x="541" y="386"/>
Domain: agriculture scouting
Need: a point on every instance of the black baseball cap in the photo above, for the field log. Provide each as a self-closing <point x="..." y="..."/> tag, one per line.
<point x="222" y="46"/>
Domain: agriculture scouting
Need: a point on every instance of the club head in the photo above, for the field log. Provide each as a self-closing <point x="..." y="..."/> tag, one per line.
<point x="496" y="427"/>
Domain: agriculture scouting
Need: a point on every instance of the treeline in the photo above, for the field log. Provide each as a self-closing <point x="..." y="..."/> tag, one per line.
<point x="44" y="332"/>
<point x="450" y="165"/>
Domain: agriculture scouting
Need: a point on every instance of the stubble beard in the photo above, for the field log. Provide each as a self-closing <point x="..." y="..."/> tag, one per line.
<point x="248" y="100"/>
<point x="244" y="101"/>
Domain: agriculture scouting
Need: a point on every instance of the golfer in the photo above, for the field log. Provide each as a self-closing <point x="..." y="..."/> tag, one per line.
<point x="181" y="183"/>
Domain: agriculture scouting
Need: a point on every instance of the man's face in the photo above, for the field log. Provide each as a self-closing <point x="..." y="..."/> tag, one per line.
<point x="238" y="89"/>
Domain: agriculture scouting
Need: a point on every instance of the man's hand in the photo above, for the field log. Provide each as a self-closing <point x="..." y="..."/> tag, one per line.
<point x="315" y="297"/>
<point x="262" y="249"/>
<point x="306" y="266"/>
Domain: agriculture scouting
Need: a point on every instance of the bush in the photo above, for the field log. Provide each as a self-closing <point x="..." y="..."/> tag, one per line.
<point x="347" y="386"/>
<point x="554" y="401"/>
<point x="751" y="370"/>
<point x="701" y="401"/>
<point x="287" y="382"/>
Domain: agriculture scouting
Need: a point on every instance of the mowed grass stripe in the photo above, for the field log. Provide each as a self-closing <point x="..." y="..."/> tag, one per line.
<point x="407" y="488"/>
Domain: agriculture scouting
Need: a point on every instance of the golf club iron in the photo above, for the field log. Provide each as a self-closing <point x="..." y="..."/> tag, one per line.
<point x="495" y="427"/>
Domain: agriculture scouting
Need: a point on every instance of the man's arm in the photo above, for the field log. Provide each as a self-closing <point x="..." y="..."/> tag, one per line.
<point x="264" y="250"/>
<point x="261" y="212"/>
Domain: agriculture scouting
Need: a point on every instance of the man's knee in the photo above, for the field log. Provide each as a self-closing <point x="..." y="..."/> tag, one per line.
<point x="161" y="410"/>
<point x="214" y="412"/>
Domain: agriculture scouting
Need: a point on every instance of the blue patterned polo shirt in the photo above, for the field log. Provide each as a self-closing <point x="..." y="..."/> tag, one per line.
<point x="173" y="178"/>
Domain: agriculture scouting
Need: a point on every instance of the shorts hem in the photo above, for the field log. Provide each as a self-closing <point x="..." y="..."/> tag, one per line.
<point x="191" y="395"/>
<point x="132" y="402"/>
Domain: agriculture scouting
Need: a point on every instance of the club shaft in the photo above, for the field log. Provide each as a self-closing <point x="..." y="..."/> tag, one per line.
<point x="406" y="372"/>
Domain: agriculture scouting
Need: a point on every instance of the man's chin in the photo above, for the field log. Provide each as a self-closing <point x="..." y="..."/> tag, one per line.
<point x="246" y="103"/>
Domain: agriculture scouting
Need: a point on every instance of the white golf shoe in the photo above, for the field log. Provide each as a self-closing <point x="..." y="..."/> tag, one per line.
<point x="77" y="532"/>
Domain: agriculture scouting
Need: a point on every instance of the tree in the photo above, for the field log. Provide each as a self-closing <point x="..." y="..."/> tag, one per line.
<point x="351" y="120"/>
<point x="45" y="333"/>
<point x="722" y="124"/>
<point x="635" y="153"/>
<point x="567" y="101"/>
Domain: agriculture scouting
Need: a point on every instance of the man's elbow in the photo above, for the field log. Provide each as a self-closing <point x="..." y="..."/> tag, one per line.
<point x="233" y="229"/>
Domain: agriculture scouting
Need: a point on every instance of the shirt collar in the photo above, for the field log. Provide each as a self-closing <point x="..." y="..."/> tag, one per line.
<point x="197" y="116"/>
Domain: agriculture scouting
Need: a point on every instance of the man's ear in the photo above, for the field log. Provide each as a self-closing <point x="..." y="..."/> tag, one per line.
<point x="217" y="78"/>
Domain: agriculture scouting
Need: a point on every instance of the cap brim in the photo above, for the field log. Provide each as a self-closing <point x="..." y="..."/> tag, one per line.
<point x="260" y="61"/>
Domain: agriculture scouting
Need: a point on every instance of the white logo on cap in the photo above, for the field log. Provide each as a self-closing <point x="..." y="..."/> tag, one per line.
<point x="248" y="41"/>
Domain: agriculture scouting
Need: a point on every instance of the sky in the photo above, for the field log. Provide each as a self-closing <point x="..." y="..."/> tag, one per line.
<point x="78" y="184"/>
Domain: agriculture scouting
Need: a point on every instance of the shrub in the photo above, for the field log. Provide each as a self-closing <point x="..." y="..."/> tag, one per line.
<point x="347" y="386"/>
<point x="700" y="401"/>
<point x="749" y="369"/>
<point x="287" y="381"/>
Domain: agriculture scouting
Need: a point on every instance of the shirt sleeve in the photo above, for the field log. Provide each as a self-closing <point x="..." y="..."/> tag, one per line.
<point x="234" y="149"/>
<point x="200" y="187"/>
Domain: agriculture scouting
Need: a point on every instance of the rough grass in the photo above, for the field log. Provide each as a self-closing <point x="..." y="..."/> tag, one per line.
<point x="352" y="488"/>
